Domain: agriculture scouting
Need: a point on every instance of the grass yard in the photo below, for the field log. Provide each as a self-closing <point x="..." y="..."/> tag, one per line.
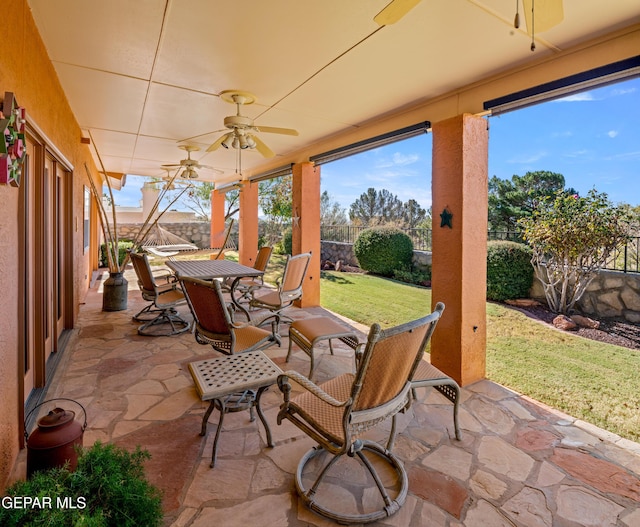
<point x="595" y="382"/>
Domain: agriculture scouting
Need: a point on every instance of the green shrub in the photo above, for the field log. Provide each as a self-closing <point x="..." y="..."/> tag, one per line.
<point x="383" y="250"/>
<point x="418" y="277"/>
<point x="108" y="489"/>
<point x="509" y="270"/>
<point x="123" y="247"/>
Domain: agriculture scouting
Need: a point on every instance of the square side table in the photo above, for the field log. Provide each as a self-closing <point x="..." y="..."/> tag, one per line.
<point x="233" y="384"/>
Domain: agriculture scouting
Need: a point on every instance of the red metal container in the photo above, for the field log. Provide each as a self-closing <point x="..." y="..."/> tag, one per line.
<point x="52" y="443"/>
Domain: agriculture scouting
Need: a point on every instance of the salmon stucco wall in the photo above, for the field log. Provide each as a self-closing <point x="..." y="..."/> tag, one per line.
<point x="25" y="70"/>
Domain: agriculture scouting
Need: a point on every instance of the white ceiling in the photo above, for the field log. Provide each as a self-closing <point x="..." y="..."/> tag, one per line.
<point x="142" y="76"/>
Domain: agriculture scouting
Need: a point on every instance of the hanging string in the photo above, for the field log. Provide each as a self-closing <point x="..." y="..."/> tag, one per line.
<point x="533" y="25"/>
<point x="516" y="20"/>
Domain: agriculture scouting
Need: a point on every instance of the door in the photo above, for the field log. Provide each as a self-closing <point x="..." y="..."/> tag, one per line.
<point x="45" y="232"/>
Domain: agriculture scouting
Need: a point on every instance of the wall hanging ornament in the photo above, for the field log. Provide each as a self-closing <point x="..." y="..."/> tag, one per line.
<point x="445" y="218"/>
<point x="12" y="146"/>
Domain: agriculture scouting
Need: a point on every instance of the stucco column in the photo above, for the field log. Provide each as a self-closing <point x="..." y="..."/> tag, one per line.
<point x="459" y="187"/>
<point x="217" y="219"/>
<point x="248" y="227"/>
<point x="306" y="227"/>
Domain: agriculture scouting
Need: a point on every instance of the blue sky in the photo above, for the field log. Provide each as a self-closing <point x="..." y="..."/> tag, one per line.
<point x="592" y="139"/>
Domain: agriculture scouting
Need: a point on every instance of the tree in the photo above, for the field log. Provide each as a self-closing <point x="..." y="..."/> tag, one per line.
<point x="198" y="199"/>
<point x="276" y="203"/>
<point x="331" y="213"/>
<point x="413" y="214"/>
<point x="376" y="208"/>
<point x="511" y="200"/>
<point x="571" y="238"/>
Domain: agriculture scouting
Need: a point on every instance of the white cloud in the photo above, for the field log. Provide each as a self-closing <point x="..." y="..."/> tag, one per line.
<point x="397" y="159"/>
<point x="577" y="97"/>
<point x="620" y="91"/>
<point x="525" y="159"/>
<point x="612" y="133"/>
<point x="577" y="153"/>
<point x="405" y="159"/>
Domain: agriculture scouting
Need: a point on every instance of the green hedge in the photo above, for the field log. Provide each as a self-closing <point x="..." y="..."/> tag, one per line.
<point x="509" y="270"/>
<point x="123" y="247"/>
<point x="384" y="250"/>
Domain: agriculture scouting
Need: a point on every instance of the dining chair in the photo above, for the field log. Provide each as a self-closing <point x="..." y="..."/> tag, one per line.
<point x="338" y="412"/>
<point x="215" y="324"/>
<point x="163" y="297"/>
<point x="289" y="287"/>
<point x="245" y="286"/>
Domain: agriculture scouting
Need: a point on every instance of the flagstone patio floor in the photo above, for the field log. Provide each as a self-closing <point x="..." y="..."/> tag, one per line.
<point x="519" y="463"/>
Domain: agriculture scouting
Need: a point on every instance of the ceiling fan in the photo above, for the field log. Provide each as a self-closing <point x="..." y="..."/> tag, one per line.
<point x="242" y="129"/>
<point x="190" y="166"/>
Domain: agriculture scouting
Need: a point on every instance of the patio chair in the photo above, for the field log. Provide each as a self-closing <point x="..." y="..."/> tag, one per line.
<point x="246" y="286"/>
<point x="336" y="413"/>
<point x="214" y="323"/>
<point x="164" y="298"/>
<point x="289" y="287"/>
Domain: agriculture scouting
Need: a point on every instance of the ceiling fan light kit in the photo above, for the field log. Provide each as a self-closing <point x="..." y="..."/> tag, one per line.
<point x="242" y="135"/>
<point x="190" y="166"/>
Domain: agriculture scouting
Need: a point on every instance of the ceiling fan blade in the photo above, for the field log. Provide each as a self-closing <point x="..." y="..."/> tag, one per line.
<point x="547" y="13"/>
<point x="276" y="130"/>
<point x="172" y="166"/>
<point x="217" y="144"/>
<point x="262" y="148"/>
<point x="394" y="11"/>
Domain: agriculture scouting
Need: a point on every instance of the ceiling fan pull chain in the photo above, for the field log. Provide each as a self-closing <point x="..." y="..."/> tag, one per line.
<point x="516" y="20"/>
<point x="533" y="25"/>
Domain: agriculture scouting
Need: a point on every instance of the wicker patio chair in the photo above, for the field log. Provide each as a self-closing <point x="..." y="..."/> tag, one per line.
<point x="214" y="323"/>
<point x="163" y="298"/>
<point x="246" y="286"/>
<point x="289" y="287"/>
<point x="336" y="413"/>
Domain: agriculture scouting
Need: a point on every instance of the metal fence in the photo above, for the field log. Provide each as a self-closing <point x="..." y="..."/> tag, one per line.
<point x="626" y="258"/>
<point x="421" y="238"/>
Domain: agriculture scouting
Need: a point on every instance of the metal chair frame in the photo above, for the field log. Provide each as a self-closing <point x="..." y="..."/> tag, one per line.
<point x="337" y="412"/>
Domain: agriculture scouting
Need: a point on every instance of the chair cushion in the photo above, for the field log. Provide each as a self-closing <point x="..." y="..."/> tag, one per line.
<point x="322" y="415"/>
<point x="250" y="336"/>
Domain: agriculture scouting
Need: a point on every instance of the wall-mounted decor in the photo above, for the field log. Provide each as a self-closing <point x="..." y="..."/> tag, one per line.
<point x="445" y="218"/>
<point x="12" y="145"/>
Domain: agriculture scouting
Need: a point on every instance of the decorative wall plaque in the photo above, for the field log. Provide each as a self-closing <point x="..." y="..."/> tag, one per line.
<point x="12" y="145"/>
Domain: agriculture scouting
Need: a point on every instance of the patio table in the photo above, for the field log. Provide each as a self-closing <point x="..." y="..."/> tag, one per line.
<point x="215" y="269"/>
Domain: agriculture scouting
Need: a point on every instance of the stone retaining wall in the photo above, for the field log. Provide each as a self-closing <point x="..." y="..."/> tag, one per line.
<point x="611" y="294"/>
<point x="334" y="251"/>
<point x="197" y="233"/>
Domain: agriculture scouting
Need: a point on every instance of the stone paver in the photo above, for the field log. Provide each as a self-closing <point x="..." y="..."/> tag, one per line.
<point x="519" y="463"/>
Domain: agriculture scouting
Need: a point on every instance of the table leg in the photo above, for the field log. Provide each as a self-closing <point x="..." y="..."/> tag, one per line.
<point x="205" y="419"/>
<point x="262" y="417"/>
<point x="237" y="302"/>
<point x="222" y="409"/>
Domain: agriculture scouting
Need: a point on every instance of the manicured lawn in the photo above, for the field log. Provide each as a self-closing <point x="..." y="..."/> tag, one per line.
<point x="595" y="382"/>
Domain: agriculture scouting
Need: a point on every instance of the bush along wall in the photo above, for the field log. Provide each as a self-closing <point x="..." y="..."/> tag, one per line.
<point x="509" y="270"/>
<point x="384" y="250"/>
